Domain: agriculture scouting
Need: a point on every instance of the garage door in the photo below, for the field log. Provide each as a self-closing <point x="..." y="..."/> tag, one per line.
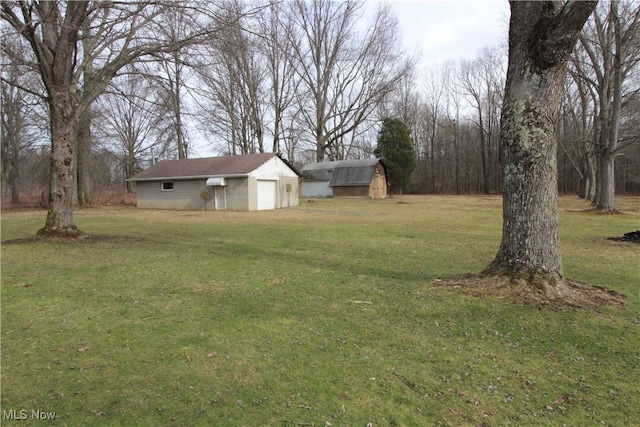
<point x="266" y="195"/>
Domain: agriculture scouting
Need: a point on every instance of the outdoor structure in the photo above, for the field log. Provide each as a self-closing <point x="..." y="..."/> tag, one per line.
<point x="345" y="178"/>
<point x="247" y="182"/>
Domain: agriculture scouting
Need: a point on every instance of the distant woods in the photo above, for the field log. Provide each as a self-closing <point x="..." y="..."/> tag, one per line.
<point x="313" y="81"/>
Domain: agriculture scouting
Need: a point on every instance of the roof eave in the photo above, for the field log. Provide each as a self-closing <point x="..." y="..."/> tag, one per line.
<point x="185" y="178"/>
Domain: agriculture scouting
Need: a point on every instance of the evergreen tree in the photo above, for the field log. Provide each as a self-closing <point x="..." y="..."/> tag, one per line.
<point x="395" y="147"/>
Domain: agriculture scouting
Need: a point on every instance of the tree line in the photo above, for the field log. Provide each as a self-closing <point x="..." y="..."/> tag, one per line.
<point x="312" y="80"/>
<point x="455" y="118"/>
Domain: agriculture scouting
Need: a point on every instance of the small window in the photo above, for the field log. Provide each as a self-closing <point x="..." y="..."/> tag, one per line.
<point x="288" y="188"/>
<point x="167" y="185"/>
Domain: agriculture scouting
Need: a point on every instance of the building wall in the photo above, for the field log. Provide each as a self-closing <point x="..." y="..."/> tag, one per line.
<point x="378" y="188"/>
<point x="252" y="194"/>
<point x="273" y="169"/>
<point x="241" y="194"/>
<point x="287" y="186"/>
<point x="316" y="189"/>
<point x="288" y="192"/>
<point x="238" y="195"/>
<point x="185" y="195"/>
<point x="351" y="191"/>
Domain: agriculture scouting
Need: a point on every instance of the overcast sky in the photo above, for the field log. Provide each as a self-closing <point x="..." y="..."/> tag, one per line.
<point x="440" y="30"/>
<point x="451" y="29"/>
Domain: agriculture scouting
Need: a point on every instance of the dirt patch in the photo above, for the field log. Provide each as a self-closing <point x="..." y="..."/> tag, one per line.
<point x="84" y="238"/>
<point x="561" y="296"/>
<point x="81" y="238"/>
<point x="633" y="237"/>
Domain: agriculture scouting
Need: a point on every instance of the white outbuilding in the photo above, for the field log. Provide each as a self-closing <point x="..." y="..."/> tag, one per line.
<point x="246" y="182"/>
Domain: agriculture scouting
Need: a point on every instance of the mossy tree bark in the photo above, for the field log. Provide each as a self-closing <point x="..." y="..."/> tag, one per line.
<point x="541" y="38"/>
<point x="62" y="169"/>
<point x="56" y="55"/>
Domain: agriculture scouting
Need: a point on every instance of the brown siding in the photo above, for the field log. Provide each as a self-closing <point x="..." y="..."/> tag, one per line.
<point x="378" y="188"/>
<point x="353" y="191"/>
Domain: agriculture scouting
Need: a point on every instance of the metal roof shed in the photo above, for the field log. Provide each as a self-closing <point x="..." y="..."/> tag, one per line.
<point x="345" y="178"/>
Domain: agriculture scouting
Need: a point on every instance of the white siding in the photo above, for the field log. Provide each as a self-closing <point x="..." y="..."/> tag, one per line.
<point x="272" y="185"/>
<point x="266" y="195"/>
<point x="274" y="168"/>
<point x="220" y="198"/>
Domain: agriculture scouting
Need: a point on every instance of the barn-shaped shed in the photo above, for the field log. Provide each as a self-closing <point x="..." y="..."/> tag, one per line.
<point x="245" y="183"/>
<point x="345" y="178"/>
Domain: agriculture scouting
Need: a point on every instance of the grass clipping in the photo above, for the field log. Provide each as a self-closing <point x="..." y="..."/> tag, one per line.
<point x="554" y="293"/>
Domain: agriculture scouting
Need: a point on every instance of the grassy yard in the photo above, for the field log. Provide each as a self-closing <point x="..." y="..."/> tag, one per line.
<point x="327" y="314"/>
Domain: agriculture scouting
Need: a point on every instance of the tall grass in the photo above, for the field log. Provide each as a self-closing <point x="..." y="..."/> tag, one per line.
<point x="324" y="314"/>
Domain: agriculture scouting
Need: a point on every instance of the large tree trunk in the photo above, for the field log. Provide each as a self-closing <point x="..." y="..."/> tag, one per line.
<point x="483" y="155"/>
<point x="588" y="178"/>
<point x="606" y="199"/>
<point x="320" y="145"/>
<point x="83" y="150"/>
<point x="131" y="167"/>
<point x="541" y="37"/>
<point x="14" y="179"/>
<point x="458" y="166"/>
<point x="63" y="134"/>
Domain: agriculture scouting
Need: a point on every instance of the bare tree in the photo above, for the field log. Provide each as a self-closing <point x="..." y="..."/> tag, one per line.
<point x="541" y="38"/>
<point x="435" y="89"/>
<point x="409" y="105"/>
<point x="613" y="52"/>
<point x="482" y="83"/>
<point x="129" y="121"/>
<point x="83" y="145"/>
<point x="345" y="75"/>
<point x="576" y="132"/>
<point x="13" y="128"/>
<point x="170" y="71"/>
<point x="233" y="77"/>
<point x="22" y="125"/>
<point x="54" y="31"/>
<point x="275" y="45"/>
<point x="454" y="106"/>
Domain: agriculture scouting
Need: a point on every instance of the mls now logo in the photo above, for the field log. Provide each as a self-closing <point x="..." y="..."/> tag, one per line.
<point x="13" y="414"/>
<point x="23" y="414"/>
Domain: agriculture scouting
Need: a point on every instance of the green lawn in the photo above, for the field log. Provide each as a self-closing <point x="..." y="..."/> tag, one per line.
<point x="324" y="314"/>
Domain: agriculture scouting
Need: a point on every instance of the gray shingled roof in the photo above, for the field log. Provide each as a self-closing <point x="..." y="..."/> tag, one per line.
<point x="341" y="173"/>
<point x="205" y="167"/>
